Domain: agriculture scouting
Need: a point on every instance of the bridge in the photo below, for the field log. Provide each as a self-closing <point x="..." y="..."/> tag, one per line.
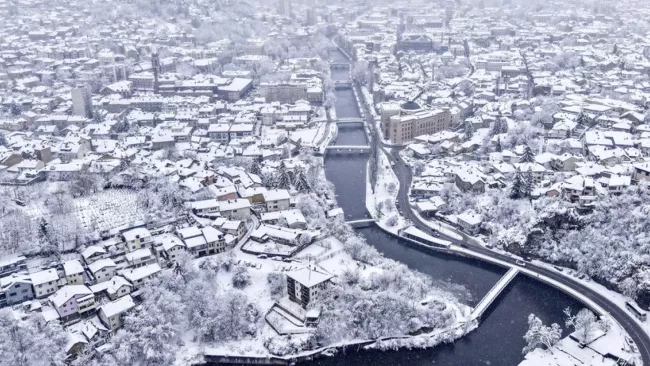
<point x="496" y="290"/>
<point x="345" y="121"/>
<point x="348" y="149"/>
<point x="342" y="85"/>
<point x="339" y="66"/>
<point x="361" y="223"/>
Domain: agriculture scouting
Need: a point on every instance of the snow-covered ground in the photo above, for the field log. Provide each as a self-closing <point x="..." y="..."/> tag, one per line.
<point x="101" y="211"/>
<point x="381" y="203"/>
<point x="568" y="352"/>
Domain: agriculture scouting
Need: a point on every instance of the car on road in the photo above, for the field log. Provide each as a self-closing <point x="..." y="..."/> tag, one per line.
<point x="558" y="268"/>
<point x="520" y="263"/>
<point x="528" y="258"/>
<point x="392" y="164"/>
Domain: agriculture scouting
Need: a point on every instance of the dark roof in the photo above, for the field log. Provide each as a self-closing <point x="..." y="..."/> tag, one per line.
<point x="410" y="106"/>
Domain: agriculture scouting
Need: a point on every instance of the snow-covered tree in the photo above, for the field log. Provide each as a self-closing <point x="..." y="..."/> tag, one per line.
<point x="255" y="167"/>
<point x="527" y="186"/>
<point x="31" y="341"/>
<point x="276" y="283"/>
<point x="539" y="334"/>
<point x="584" y="323"/>
<point x="469" y="130"/>
<point x="528" y="156"/>
<point x="300" y="181"/>
<point x="284" y="178"/>
<point x="517" y="186"/>
<point x="241" y="278"/>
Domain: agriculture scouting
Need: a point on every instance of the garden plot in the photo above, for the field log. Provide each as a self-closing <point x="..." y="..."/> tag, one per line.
<point x="101" y="211"/>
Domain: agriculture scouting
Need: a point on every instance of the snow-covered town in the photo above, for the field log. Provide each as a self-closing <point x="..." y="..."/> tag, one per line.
<point x="293" y="182"/>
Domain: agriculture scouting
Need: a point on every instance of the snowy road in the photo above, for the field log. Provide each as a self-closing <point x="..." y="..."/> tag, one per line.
<point x="625" y="319"/>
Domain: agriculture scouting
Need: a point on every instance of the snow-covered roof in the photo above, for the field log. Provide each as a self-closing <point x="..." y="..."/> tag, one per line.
<point x="42" y="277"/>
<point x="102" y="263"/>
<point x="137" y="274"/>
<point x="309" y="277"/>
<point x="67" y="292"/>
<point x="72" y="267"/>
<point x="117" y="307"/>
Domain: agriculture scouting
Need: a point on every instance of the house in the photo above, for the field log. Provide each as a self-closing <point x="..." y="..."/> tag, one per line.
<point x="140" y="257"/>
<point x="276" y="200"/>
<point x="138" y="276"/>
<point x="137" y="238"/>
<point x="72" y="302"/>
<point x="305" y="284"/>
<point x="172" y="246"/>
<point x="114" y="288"/>
<point x="94" y="331"/>
<point x="235" y="208"/>
<point x="265" y="233"/>
<point x="642" y="171"/>
<point x="470" y="222"/>
<point x="294" y="218"/>
<point x="112" y="313"/>
<point x="15" y="289"/>
<point x="45" y="283"/>
<point x="102" y="270"/>
<point x="202" y="241"/>
<point x="74" y="272"/>
<point x="565" y="162"/>
<point x="467" y="181"/>
<point x="206" y="207"/>
<point x="12" y="264"/>
<point x="93" y="253"/>
<point x="235" y="228"/>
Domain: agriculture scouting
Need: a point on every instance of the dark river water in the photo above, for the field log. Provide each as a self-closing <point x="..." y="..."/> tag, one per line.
<point x="499" y="338"/>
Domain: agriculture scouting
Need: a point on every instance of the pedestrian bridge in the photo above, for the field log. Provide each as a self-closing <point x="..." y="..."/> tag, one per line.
<point x="345" y="121"/>
<point x="361" y="223"/>
<point x="339" y="66"/>
<point x="496" y="290"/>
<point x="347" y="149"/>
<point x="342" y="85"/>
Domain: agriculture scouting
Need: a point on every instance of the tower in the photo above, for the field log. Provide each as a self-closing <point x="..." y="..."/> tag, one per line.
<point x="81" y="103"/>
<point x="155" y="64"/>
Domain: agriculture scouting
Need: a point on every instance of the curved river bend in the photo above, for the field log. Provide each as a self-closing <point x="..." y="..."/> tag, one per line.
<point x="498" y="341"/>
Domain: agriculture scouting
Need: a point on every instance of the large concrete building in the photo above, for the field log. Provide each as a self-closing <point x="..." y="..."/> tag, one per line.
<point x="412" y="121"/>
<point x="81" y="102"/>
<point x="291" y="92"/>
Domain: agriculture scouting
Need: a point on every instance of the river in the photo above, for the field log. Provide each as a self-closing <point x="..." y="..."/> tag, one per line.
<point x="499" y="339"/>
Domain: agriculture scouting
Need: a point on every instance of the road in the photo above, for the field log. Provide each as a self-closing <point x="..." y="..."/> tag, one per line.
<point x="633" y="328"/>
<point x="404" y="175"/>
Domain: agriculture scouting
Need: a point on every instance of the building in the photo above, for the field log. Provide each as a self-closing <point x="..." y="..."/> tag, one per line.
<point x="138" y="276"/>
<point x="103" y="269"/>
<point x="276" y="200"/>
<point x="81" y="102"/>
<point x="111" y="314"/>
<point x="45" y="282"/>
<point x="137" y="238"/>
<point x="15" y="289"/>
<point x="304" y="285"/>
<point x="72" y="302"/>
<point x="204" y="241"/>
<point x="284" y="8"/>
<point x="412" y="121"/>
<point x="290" y="92"/>
<point x="416" y="42"/>
<point x="12" y="264"/>
<point x="74" y="272"/>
